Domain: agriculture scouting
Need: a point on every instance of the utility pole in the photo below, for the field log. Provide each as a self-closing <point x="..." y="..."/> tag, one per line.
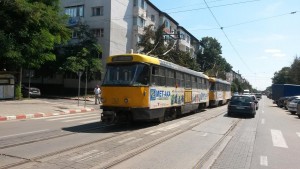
<point x="79" y="73"/>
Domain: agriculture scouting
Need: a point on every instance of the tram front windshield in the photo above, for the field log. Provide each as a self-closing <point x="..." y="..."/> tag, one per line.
<point x="136" y="74"/>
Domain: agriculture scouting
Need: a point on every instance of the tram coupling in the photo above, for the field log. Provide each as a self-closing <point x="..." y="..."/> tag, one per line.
<point x="112" y="117"/>
<point x="108" y="117"/>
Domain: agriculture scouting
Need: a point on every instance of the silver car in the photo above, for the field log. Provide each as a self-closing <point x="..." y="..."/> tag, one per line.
<point x="292" y="106"/>
<point x="298" y="109"/>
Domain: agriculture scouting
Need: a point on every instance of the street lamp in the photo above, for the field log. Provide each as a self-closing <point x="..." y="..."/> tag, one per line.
<point x="79" y="73"/>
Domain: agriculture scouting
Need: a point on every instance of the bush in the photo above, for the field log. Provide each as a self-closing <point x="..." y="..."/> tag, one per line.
<point x="18" y="92"/>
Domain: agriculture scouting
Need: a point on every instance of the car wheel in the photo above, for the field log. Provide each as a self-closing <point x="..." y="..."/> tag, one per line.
<point x="299" y="115"/>
<point x="292" y="112"/>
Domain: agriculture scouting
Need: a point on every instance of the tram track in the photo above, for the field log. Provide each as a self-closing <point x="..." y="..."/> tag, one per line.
<point x="140" y="150"/>
<point x="36" y="159"/>
<point x="123" y="156"/>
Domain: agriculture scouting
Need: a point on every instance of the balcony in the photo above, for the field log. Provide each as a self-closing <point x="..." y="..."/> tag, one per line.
<point x="74" y="21"/>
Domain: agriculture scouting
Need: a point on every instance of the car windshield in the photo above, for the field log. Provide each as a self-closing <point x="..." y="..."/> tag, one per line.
<point x="243" y="99"/>
<point x="136" y="74"/>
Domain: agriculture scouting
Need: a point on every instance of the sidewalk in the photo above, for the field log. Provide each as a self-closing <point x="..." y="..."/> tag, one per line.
<point x="39" y="107"/>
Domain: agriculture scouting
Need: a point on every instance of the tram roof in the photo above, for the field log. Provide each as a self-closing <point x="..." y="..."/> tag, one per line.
<point x="152" y="60"/>
<point x="213" y="79"/>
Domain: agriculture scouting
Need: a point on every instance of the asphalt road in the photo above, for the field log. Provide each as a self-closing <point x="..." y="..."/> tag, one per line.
<point x="201" y="140"/>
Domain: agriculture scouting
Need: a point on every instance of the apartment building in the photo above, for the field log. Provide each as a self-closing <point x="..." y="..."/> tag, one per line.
<point x="118" y="26"/>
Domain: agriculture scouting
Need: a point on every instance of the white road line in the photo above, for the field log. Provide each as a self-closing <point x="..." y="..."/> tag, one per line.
<point x="127" y="139"/>
<point x="205" y="134"/>
<point x="149" y="132"/>
<point x="38" y="131"/>
<point x="92" y="117"/>
<point x="298" y="134"/>
<point x="83" y="155"/>
<point x="156" y="133"/>
<point x="90" y="121"/>
<point x="134" y="141"/>
<point x="71" y="117"/>
<point x="263" y="160"/>
<point x="58" y="115"/>
<point x="262" y="121"/>
<point x="278" y="139"/>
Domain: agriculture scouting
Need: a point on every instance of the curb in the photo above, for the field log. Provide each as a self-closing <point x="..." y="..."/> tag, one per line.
<point x="39" y="114"/>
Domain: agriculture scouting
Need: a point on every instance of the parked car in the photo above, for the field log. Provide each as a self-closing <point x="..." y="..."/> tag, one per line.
<point x="33" y="91"/>
<point x="255" y="101"/>
<point x="258" y="95"/>
<point x="243" y="104"/>
<point x="292" y="106"/>
<point x="288" y="100"/>
<point x="298" y="109"/>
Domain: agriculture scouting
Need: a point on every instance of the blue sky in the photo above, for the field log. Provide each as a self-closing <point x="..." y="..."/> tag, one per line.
<point x="263" y="36"/>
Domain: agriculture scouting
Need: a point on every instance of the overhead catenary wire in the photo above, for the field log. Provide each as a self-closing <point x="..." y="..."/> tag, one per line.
<point x="231" y="44"/>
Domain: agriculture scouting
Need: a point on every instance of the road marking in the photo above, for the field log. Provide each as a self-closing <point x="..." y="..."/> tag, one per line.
<point x="83" y="155"/>
<point x="277" y="138"/>
<point x="58" y="115"/>
<point x="70" y="117"/>
<point x="127" y="139"/>
<point x="90" y="121"/>
<point x="156" y="133"/>
<point x="92" y="117"/>
<point x="149" y="132"/>
<point x="205" y="134"/>
<point x="134" y="141"/>
<point x="264" y="160"/>
<point x="298" y="134"/>
<point x="262" y="121"/>
<point x="38" y="131"/>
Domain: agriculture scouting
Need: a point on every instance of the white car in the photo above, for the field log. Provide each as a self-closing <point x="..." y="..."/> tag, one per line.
<point x="292" y="106"/>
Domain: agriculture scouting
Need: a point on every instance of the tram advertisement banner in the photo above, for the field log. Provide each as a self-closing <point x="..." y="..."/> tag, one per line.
<point x="166" y="96"/>
<point x="169" y="96"/>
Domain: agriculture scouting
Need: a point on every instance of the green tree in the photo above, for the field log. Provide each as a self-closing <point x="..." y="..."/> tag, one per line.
<point x="282" y="76"/>
<point x="29" y="31"/>
<point x="153" y="42"/>
<point x="83" y="54"/>
<point x="210" y="60"/>
<point x="294" y="72"/>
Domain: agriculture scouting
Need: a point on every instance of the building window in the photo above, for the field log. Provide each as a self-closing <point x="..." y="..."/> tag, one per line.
<point x="153" y="18"/>
<point x="143" y="4"/>
<point x="98" y="32"/>
<point x="97" y="11"/>
<point x="139" y="21"/>
<point x="188" y="38"/>
<point x="74" y="11"/>
<point x="135" y="2"/>
<point x="74" y="34"/>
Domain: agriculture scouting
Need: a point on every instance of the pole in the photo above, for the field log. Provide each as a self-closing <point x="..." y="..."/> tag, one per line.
<point x="85" y="87"/>
<point x="79" y="76"/>
<point x="29" y="84"/>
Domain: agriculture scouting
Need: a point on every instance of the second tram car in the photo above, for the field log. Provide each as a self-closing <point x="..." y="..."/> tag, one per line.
<point x="219" y="92"/>
<point x="140" y="87"/>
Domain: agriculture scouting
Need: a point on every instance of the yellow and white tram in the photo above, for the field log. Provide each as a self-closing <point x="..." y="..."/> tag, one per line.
<point x="219" y="92"/>
<point x="141" y="87"/>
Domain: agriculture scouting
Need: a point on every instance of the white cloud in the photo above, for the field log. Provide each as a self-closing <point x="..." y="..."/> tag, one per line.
<point x="275" y="53"/>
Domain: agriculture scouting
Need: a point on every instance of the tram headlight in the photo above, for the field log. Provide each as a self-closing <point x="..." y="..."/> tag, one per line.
<point x="126" y="100"/>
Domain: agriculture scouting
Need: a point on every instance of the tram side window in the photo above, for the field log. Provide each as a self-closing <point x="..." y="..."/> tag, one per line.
<point x="170" y="77"/>
<point x="194" y="82"/>
<point x="206" y="84"/>
<point x="179" y="79"/>
<point x="158" y="76"/>
<point x="187" y="79"/>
